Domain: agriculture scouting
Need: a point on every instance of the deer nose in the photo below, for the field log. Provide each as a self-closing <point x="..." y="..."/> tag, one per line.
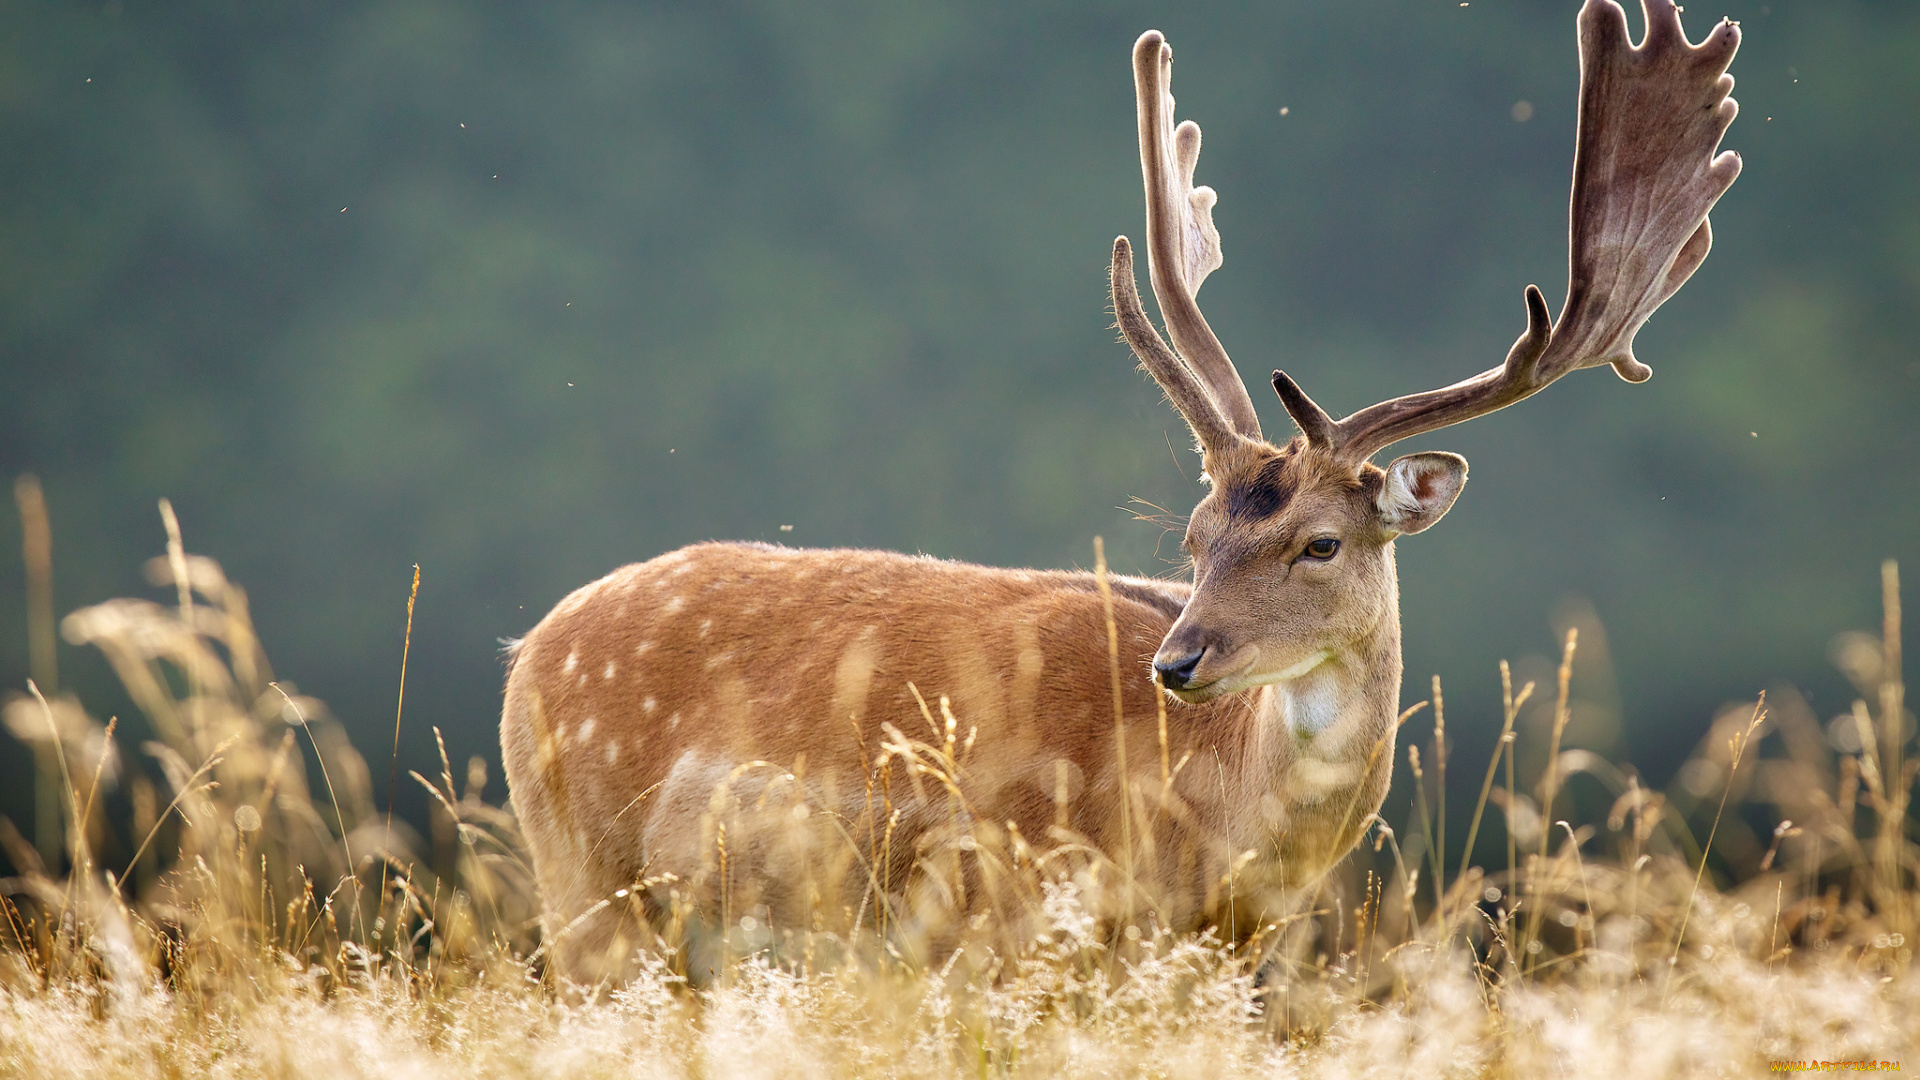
<point x="1176" y="672"/>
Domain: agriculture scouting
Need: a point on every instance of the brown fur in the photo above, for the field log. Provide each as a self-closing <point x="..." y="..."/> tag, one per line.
<point x="643" y="693"/>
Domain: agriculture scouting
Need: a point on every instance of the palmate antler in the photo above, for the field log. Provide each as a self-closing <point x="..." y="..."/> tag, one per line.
<point x="1183" y="248"/>
<point x="1645" y="176"/>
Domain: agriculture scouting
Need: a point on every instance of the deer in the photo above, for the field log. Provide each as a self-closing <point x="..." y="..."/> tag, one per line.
<point x="771" y="691"/>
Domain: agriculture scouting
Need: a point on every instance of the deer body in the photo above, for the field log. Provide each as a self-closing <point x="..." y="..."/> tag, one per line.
<point x="665" y="676"/>
<point x="738" y="727"/>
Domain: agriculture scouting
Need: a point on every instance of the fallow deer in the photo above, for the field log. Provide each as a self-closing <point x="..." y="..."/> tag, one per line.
<point x="651" y="705"/>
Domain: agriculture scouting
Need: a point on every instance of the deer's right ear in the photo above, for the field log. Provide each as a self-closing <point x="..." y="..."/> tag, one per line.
<point x="1419" y="489"/>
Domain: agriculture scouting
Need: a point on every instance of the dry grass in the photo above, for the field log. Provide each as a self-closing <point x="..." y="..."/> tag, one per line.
<point x="267" y="922"/>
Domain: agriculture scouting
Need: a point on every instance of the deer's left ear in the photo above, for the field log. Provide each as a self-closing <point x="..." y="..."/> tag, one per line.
<point x="1419" y="489"/>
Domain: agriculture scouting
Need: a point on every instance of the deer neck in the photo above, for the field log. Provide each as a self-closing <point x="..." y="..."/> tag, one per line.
<point x="1342" y="708"/>
<point x="1321" y="749"/>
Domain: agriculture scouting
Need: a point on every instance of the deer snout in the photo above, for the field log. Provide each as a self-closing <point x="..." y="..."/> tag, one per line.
<point x="1195" y="665"/>
<point x="1175" y="667"/>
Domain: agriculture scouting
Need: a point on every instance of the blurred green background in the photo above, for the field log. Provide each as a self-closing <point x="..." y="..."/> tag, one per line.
<point x="523" y="292"/>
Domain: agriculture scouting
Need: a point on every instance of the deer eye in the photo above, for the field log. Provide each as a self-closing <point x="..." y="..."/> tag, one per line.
<point x="1323" y="548"/>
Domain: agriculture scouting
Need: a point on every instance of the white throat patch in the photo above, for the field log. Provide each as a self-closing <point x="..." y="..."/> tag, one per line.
<point x="1312" y="706"/>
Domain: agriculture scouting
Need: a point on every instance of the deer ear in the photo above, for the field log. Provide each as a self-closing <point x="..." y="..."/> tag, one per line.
<point x="1419" y="489"/>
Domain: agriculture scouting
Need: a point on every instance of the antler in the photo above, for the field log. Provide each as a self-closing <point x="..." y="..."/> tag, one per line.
<point x="1182" y="245"/>
<point x="1644" y="177"/>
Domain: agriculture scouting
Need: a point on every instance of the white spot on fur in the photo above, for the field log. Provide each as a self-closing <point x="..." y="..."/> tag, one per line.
<point x="649" y="705"/>
<point x="718" y="660"/>
<point x="1311" y="707"/>
<point x="705" y="625"/>
<point x="608" y="673"/>
<point x="673" y="721"/>
<point x="586" y="729"/>
<point x="853" y="676"/>
<point x="1323" y="714"/>
<point x="675" y="603"/>
<point x="613" y="752"/>
<point x="642" y="647"/>
<point x="573" y="661"/>
<point x="678" y="570"/>
<point x="1314" y="780"/>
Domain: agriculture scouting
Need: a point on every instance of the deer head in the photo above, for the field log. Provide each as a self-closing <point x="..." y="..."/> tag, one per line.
<point x="1292" y="546"/>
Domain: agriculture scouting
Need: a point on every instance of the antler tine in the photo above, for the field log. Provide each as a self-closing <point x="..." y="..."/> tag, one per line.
<point x="1182" y="245"/>
<point x="1645" y="176"/>
<point x="1181" y="384"/>
<point x="1314" y="422"/>
<point x="1365" y="433"/>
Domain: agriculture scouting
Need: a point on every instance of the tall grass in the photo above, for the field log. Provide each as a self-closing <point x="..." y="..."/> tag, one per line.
<point x="259" y="916"/>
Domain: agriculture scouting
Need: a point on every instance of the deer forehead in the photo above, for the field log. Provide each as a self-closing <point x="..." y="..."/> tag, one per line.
<point x="1272" y="499"/>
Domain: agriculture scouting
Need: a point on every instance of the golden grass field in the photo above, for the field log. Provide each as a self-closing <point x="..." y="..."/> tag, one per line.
<point x="271" y="922"/>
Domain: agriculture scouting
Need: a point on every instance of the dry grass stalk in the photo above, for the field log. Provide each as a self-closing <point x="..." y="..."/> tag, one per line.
<point x="266" y="940"/>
